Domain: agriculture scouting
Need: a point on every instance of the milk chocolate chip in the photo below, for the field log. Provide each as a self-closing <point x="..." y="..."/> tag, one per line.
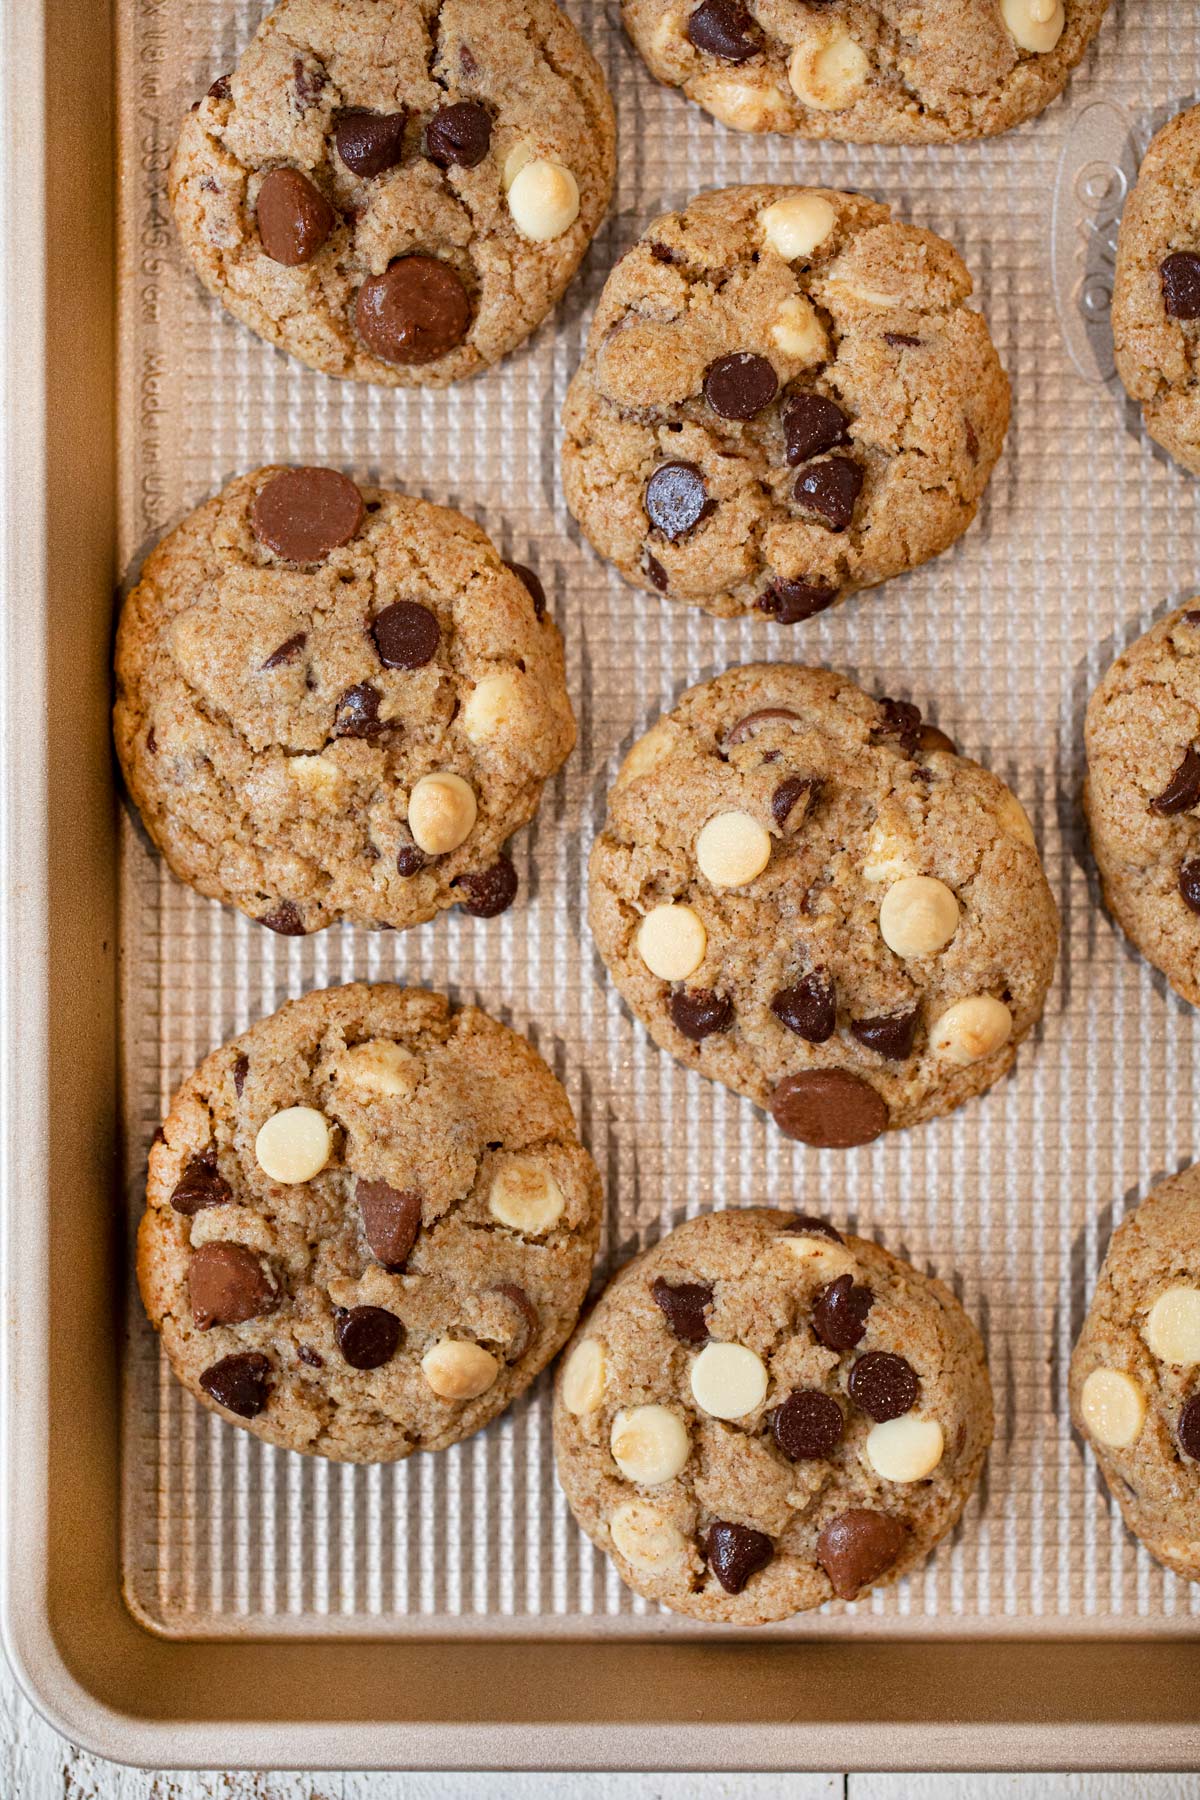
<point x="1180" y="275"/>
<point x="369" y="142"/>
<point x="812" y="424"/>
<point x="1183" y="790"/>
<point x="885" y="1386"/>
<point x="391" y="1220"/>
<point x="829" y="1108"/>
<point x="415" y="312"/>
<point x="735" y="1553"/>
<point x="486" y="893"/>
<point x="406" y="635"/>
<point x="304" y="514"/>
<point x="228" y="1285"/>
<point x="808" y="1425"/>
<point x="677" y="499"/>
<point x="839" y="1314"/>
<point x="741" y="385"/>
<point x="745" y="727"/>
<point x="809" y="1009"/>
<point x="724" y="28"/>
<point x="830" y="489"/>
<point x="857" y="1547"/>
<point x="698" y="1012"/>
<point x="368" y="1336"/>
<point x="791" y="602"/>
<point x="200" y="1186"/>
<point x="460" y="134"/>
<point x="239" y="1383"/>
<point x="892" y="1036"/>
<point x="530" y="1321"/>
<point x="294" y="217"/>
<point x="683" y="1306"/>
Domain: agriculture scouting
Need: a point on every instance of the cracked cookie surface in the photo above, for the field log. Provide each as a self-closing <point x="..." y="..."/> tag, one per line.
<point x="759" y="1415"/>
<point x="784" y="398"/>
<point x="337" y="704"/>
<point x="412" y="1254"/>
<point x="1135" y="1372"/>
<point x="398" y="191"/>
<point x="1156" y="290"/>
<point x="808" y="895"/>
<point x="866" y="71"/>
<point x="1142" y="795"/>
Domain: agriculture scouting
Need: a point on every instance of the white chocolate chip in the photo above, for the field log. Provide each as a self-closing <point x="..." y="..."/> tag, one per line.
<point x="905" y="1449"/>
<point x="646" y="1539"/>
<point x="972" y="1029"/>
<point x="796" y="226"/>
<point x="1014" y="820"/>
<point x="381" y="1067"/>
<point x="829" y="72"/>
<point x="647" y="752"/>
<point x="518" y="158"/>
<point x="744" y="105"/>
<point x="318" y="775"/>
<point x="667" y="38"/>
<point x="583" y="1377"/>
<point x="1035" y="25"/>
<point x="818" y="1258"/>
<point x="733" y="849"/>
<point x="798" y="331"/>
<point x="293" y="1145"/>
<point x="649" y="1444"/>
<point x="495" y="704"/>
<point x="918" y="917"/>
<point x="457" y="1369"/>
<point x="525" y="1196"/>
<point x="1172" y="1327"/>
<point x="1113" y="1408"/>
<point x="889" y="858"/>
<point x="442" y="810"/>
<point x="543" y="199"/>
<point x="671" y="941"/>
<point x="728" y="1380"/>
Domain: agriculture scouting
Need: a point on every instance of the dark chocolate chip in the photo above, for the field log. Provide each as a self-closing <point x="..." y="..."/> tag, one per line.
<point x="682" y="1305"/>
<point x="662" y="253"/>
<point x="1187" y="1431"/>
<point x="808" y="1225"/>
<point x="892" y="1036"/>
<point x="698" y="1012"/>
<point x="160" y="1137"/>
<point x="537" y="592"/>
<point x="410" y="860"/>
<point x="972" y="438"/>
<point x="286" y="653"/>
<point x="791" y="602"/>
<point x="391" y="1220"/>
<point x="839" y="1314"/>
<point x="1189" y="883"/>
<point x="357" y="713"/>
<point x="1183" y="790"/>
<point x="239" y="1383"/>
<point x="885" y="1386"/>
<point x="530" y="1319"/>
<point x="459" y="134"/>
<point x="809" y="1009"/>
<point x="415" y="312"/>
<point x="901" y="339"/>
<point x="294" y="217"/>
<point x="857" y="1547"/>
<point x="1191" y="618"/>
<point x="308" y="1355"/>
<point x="220" y="88"/>
<point x="830" y="489"/>
<point x="241" y="1069"/>
<point x="677" y="499"/>
<point x="368" y="1336"/>
<point x="829" y="1108"/>
<point x="309" y="81"/>
<point x="151" y="742"/>
<point x="486" y="893"/>
<point x="724" y="28"/>
<point x="807" y="1425"/>
<point x="789" y="794"/>
<point x="406" y="635"/>
<point x="745" y="727"/>
<point x="370" y="142"/>
<point x="285" y="920"/>
<point x="467" y="63"/>
<point x="901" y="720"/>
<point x="735" y="1553"/>
<point x="304" y="514"/>
<point x="741" y="385"/>
<point x="199" y="1186"/>
<point x="228" y="1285"/>
<point x="657" y="573"/>
<point x="1180" y="275"/>
<point x="812" y="424"/>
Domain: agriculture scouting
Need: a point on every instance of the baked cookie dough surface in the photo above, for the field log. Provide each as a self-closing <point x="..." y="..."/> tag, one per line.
<point x="1156" y="291"/>
<point x="337" y="704"/>
<point x="398" y="191"/>
<point x="760" y="1415"/>
<point x="1135" y="1373"/>
<point x="806" y="894"/>
<point x="784" y="398"/>
<point x="369" y="1224"/>
<point x="1142" y="795"/>
<point x="866" y="71"/>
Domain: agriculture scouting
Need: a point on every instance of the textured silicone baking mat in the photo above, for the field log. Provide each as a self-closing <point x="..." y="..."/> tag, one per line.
<point x="1085" y="536"/>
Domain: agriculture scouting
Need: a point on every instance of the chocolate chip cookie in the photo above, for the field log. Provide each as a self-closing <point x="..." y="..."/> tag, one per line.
<point x="1156" y="290"/>
<point x="1135" y="1373"/>
<point x="398" y="191"/>
<point x="369" y="1224"/>
<point x="337" y="703"/>
<point x="1142" y="795"/>
<point x="760" y="1415"/>
<point x="808" y="895"/>
<point x="784" y="398"/>
<point x="866" y="71"/>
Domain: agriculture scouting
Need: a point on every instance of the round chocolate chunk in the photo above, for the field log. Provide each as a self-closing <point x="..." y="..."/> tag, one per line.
<point x="830" y="489"/>
<point x="724" y="28"/>
<point x="285" y="920"/>
<point x="391" y="1220"/>
<point x="240" y="1383"/>
<point x="369" y="142"/>
<point x="304" y="514"/>
<point x="698" y="1012"/>
<point x="1189" y="883"/>
<point x="537" y="592"/>
<point x="740" y="386"/>
<point x="839" y="1314"/>
<point x="812" y="424"/>
<point x="294" y="217"/>
<point x="683" y="1305"/>
<point x="808" y="1225"/>
<point x="791" y="602"/>
<point x="406" y="635"/>
<point x="808" y="1425"/>
<point x="286" y="653"/>
<point x="829" y="1108"/>
<point x="415" y="312"/>
<point x="677" y="499"/>
<point x="1183" y="790"/>
<point x="357" y="713"/>
<point x="857" y="1547"/>
<point x="892" y="1036"/>
<point x="459" y="134"/>
<point x="1187" y="1431"/>
<point x="368" y="1336"/>
<point x="486" y="893"/>
<point x="789" y="794"/>
<point x="885" y="1386"/>
<point x="200" y="1185"/>
<point x="735" y="1553"/>
<point x="1180" y="275"/>
<point x="809" y="1009"/>
<point x="228" y="1285"/>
